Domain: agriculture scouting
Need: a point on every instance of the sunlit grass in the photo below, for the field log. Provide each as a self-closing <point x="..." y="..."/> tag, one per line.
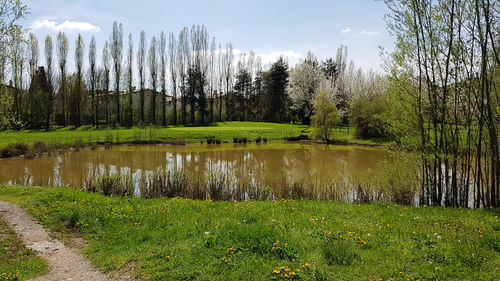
<point x="172" y="239"/>
<point x="223" y="131"/>
<point x="16" y="261"/>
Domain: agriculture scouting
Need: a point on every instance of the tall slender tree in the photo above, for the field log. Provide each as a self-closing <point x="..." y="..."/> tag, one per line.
<point x="17" y="58"/>
<point x="49" y="56"/>
<point x="106" y="68"/>
<point x="117" y="55"/>
<point x="163" y="76"/>
<point x="62" y="57"/>
<point x="183" y="58"/>
<point x="228" y="72"/>
<point x="130" y="61"/>
<point x="153" y="77"/>
<point x="213" y="78"/>
<point x="79" y="54"/>
<point x="220" y="73"/>
<point x="34" y="53"/>
<point x="141" y="61"/>
<point x="93" y="82"/>
<point x="172" y="53"/>
<point x="11" y="12"/>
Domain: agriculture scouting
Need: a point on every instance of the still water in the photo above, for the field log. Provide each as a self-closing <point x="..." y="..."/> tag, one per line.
<point x="314" y="164"/>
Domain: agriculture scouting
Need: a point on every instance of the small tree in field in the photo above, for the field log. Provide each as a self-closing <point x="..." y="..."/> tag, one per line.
<point x="325" y="117"/>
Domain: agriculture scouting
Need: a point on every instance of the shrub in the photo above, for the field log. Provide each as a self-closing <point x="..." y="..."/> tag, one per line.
<point x="177" y="142"/>
<point x="367" y="115"/>
<point x="297" y="138"/>
<point x="112" y="185"/>
<point x="79" y="144"/>
<point x="39" y="147"/>
<point x="16" y="149"/>
<point x="213" y="140"/>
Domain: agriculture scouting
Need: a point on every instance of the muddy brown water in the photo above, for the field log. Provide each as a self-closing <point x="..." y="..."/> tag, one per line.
<point x="315" y="164"/>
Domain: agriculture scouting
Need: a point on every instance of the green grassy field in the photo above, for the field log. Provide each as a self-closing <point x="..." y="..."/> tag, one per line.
<point x="224" y="131"/>
<point x="16" y="261"/>
<point x="180" y="239"/>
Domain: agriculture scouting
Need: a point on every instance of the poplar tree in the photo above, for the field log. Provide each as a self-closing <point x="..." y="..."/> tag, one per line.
<point x="62" y="56"/>
<point x="49" y="105"/>
<point x="141" y="61"/>
<point x="153" y="77"/>
<point x="117" y="55"/>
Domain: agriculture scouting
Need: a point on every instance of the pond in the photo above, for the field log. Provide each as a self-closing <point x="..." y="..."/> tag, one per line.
<point x="321" y="171"/>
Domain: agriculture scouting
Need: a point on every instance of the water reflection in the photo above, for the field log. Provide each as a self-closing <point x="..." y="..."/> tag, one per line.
<point x="296" y="162"/>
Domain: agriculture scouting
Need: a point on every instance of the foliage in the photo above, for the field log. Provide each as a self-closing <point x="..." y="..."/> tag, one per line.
<point x="367" y="115"/>
<point x="275" y="83"/>
<point x="16" y="149"/>
<point x="451" y="95"/>
<point x="7" y="116"/>
<point x="305" y="80"/>
<point x="237" y="107"/>
<point x="400" y="114"/>
<point x="325" y="117"/>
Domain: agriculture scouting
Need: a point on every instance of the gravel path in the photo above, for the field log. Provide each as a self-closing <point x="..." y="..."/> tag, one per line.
<point x="65" y="263"/>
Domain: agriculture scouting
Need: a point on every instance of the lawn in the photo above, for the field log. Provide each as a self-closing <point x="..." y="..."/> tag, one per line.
<point x="223" y="131"/>
<point x="16" y="261"/>
<point x="181" y="239"/>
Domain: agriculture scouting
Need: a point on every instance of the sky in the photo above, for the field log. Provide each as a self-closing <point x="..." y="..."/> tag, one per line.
<point x="268" y="27"/>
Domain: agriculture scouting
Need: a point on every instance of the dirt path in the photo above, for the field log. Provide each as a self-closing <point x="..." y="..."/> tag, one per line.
<point x="65" y="263"/>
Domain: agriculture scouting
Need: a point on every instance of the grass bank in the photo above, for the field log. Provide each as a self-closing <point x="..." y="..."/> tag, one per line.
<point x="181" y="239"/>
<point x="224" y="131"/>
<point x="16" y="261"/>
<point x="221" y="131"/>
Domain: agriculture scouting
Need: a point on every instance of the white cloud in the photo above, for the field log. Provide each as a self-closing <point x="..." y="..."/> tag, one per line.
<point x="346" y="30"/>
<point x="366" y="34"/>
<point x="65" y="26"/>
<point x="273" y="56"/>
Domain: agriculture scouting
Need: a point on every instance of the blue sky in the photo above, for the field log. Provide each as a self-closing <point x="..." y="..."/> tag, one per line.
<point x="269" y="27"/>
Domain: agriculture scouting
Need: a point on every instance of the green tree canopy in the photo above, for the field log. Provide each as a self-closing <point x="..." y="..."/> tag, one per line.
<point x="325" y="117"/>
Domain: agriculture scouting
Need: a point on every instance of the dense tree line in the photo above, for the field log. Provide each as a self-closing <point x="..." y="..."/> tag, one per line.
<point x="187" y="71"/>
